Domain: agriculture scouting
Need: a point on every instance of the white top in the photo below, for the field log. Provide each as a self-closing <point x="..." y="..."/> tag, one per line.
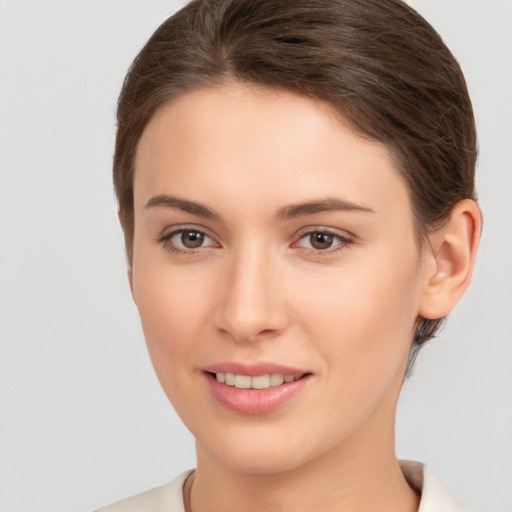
<point x="169" y="497"/>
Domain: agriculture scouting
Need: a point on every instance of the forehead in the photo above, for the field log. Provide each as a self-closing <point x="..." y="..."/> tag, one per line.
<point x="265" y="144"/>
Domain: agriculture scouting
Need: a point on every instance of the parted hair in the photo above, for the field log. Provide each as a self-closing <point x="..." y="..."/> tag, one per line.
<point x="377" y="62"/>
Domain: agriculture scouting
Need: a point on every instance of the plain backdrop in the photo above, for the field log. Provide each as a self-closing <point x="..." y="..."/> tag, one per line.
<point x="83" y="419"/>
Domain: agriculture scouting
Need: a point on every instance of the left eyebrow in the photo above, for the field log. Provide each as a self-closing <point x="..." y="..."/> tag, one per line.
<point x="322" y="205"/>
<point x="185" y="205"/>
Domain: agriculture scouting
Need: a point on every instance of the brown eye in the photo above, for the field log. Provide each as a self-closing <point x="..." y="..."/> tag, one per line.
<point x="321" y="241"/>
<point x="192" y="239"/>
<point x="187" y="241"/>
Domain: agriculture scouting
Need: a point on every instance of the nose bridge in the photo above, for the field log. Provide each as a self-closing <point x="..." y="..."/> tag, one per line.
<point x="250" y="305"/>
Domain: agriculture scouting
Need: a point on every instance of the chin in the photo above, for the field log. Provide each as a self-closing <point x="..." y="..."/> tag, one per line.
<point x="258" y="461"/>
<point x="263" y="450"/>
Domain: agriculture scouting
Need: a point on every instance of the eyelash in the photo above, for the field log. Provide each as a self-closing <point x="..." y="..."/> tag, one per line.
<point x="166" y="241"/>
<point x="343" y="241"/>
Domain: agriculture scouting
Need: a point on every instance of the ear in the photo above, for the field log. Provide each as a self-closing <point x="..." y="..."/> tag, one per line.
<point x="129" y="270"/>
<point x="129" y="273"/>
<point x="451" y="260"/>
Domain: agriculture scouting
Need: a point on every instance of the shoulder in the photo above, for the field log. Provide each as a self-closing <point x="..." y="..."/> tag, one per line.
<point x="434" y="496"/>
<point x="168" y="497"/>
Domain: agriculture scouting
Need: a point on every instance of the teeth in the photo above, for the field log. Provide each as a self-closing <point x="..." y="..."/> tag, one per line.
<point x="242" y="382"/>
<point x="276" y="379"/>
<point x="260" y="382"/>
<point x="257" y="382"/>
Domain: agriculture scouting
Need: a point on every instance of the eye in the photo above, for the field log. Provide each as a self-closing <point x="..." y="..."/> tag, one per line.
<point x="186" y="240"/>
<point x="322" y="241"/>
<point x="190" y="239"/>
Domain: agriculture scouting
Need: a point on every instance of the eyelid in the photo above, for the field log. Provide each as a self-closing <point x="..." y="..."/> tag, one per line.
<point x="344" y="239"/>
<point x="171" y="231"/>
<point x="307" y="230"/>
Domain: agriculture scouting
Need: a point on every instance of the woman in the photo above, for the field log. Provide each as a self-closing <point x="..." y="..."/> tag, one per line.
<point x="296" y="189"/>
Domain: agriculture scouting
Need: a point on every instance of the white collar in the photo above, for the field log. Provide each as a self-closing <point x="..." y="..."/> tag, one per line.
<point x="434" y="496"/>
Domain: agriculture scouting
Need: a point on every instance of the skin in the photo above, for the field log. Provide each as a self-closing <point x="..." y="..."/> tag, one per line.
<point x="256" y="290"/>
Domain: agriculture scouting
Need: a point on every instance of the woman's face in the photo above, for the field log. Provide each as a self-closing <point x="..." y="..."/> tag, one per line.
<point x="273" y="244"/>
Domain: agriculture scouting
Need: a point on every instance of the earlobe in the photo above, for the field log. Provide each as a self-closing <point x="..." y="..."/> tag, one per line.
<point x="129" y="271"/>
<point x="130" y="281"/>
<point x="120" y="218"/>
<point x="452" y="258"/>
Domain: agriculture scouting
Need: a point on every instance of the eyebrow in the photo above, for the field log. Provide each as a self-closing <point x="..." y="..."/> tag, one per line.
<point x="185" y="205"/>
<point x="285" y="213"/>
<point x="322" y="205"/>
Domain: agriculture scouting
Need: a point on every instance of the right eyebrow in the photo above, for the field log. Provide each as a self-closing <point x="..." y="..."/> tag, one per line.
<point x="328" y="204"/>
<point x="167" y="201"/>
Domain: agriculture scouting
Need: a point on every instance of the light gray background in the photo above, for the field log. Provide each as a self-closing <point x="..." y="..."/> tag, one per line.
<point x="83" y="420"/>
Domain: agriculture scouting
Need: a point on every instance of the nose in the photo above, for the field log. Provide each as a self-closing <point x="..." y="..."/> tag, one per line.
<point x="251" y="304"/>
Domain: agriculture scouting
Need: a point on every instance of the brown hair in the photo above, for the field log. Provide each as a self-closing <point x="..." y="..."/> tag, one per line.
<point x="378" y="62"/>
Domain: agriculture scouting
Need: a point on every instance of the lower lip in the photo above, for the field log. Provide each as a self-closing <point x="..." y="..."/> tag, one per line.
<point x="255" y="401"/>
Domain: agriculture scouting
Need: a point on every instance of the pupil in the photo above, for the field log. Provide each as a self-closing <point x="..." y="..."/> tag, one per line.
<point x="321" y="240"/>
<point x="192" y="239"/>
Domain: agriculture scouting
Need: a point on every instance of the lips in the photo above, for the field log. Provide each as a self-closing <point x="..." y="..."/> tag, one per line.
<point x="257" y="382"/>
<point x="255" y="389"/>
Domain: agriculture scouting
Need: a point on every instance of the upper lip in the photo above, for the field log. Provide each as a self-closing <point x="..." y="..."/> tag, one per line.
<point x="253" y="369"/>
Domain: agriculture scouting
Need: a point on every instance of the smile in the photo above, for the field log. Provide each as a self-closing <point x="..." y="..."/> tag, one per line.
<point x="255" y="382"/>
<point x="255" y="389"/>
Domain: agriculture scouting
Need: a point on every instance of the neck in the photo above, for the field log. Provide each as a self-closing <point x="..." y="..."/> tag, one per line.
<point x="351" y="477"/>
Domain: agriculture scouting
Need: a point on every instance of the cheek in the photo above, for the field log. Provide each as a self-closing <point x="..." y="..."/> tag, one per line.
<point x="363" y="316"/>
<point x="172" y="306"/>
